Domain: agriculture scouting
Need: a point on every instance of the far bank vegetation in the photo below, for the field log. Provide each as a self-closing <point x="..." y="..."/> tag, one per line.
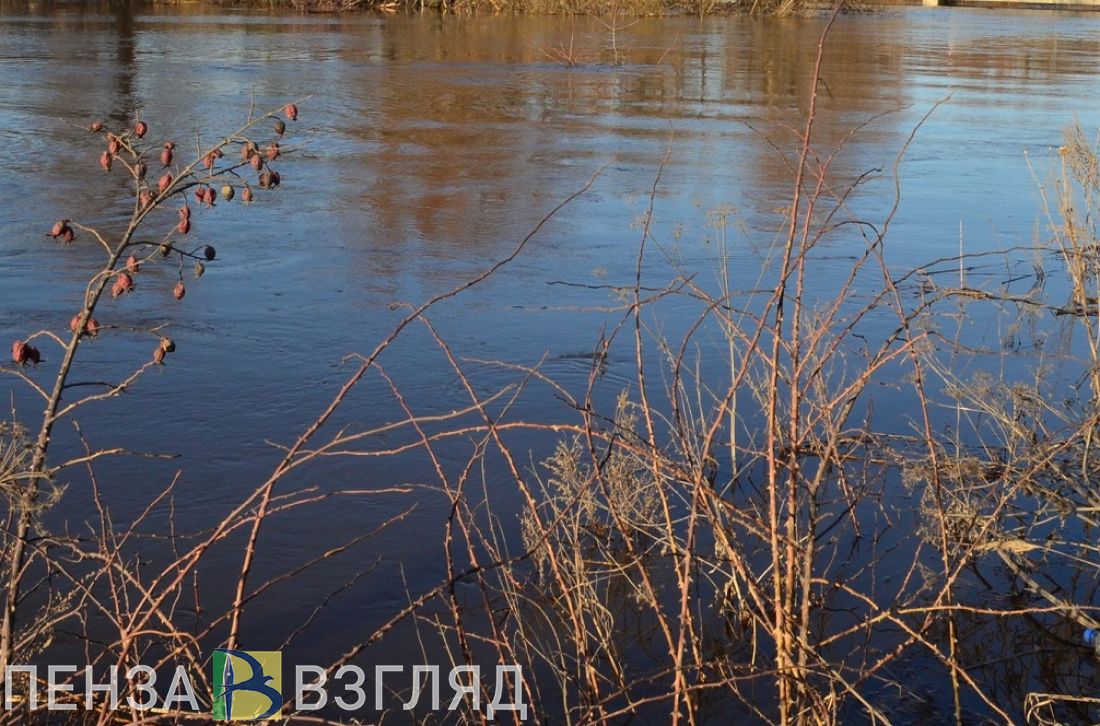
<point x="549" y="7"/>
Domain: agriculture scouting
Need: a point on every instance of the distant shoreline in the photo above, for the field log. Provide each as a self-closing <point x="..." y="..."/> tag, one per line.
<point x="641" y="8"/>
<point x="1073" y="5"/>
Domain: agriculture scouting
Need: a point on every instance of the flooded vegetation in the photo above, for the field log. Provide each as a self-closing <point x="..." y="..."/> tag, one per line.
<point x="692" y="370"/>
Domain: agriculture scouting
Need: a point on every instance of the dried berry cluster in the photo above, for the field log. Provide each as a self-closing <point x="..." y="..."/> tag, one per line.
<point x="125" y="148"/>
<point x="23" y="353"/>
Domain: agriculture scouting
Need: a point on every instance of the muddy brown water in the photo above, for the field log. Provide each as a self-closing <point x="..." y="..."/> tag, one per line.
<point x="427" y="147"/>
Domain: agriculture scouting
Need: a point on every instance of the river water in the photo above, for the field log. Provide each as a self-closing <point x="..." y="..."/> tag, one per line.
<point x="427" y="147"/>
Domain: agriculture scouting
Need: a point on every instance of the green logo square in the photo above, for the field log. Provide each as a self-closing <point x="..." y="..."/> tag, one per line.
<point x="247" y="684"/>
